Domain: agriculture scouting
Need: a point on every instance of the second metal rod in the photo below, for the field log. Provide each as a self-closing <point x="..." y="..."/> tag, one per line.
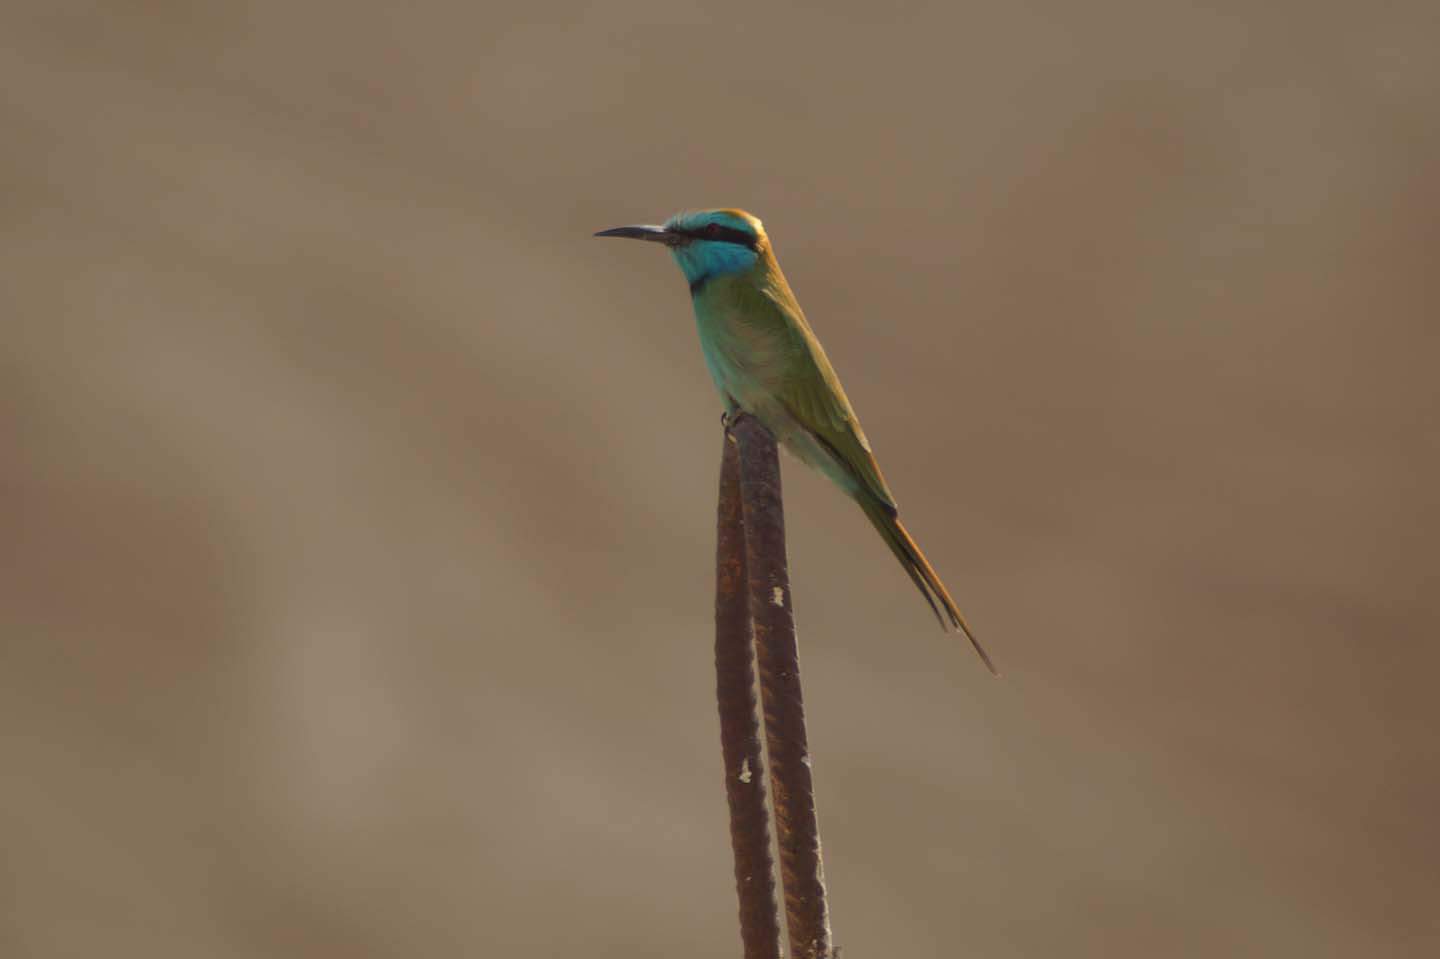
<point x="797" y="830"/>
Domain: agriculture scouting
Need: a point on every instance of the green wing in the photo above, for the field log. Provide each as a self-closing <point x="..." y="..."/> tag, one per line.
<point x="813" y="396"/>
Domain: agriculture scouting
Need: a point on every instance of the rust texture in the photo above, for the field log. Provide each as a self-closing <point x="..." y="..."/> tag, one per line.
<point x="740" y="723"/>
<point x="797" y="830"/>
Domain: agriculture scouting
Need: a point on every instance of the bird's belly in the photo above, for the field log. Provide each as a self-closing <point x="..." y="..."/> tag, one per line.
<point x="753" y="395"/>
<point x="749" y="366"/>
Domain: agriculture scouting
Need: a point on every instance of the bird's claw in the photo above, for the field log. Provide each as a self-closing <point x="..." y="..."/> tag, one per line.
<point x="729" y="418"/>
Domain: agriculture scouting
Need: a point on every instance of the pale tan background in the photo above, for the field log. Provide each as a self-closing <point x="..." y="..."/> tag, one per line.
<point x="355" y="577"/>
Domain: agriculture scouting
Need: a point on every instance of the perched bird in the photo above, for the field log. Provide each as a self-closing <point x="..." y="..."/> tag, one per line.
<point x="766" y="362"/>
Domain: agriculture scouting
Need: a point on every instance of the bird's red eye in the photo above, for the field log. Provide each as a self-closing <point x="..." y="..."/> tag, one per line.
<point x="712" y="230"/>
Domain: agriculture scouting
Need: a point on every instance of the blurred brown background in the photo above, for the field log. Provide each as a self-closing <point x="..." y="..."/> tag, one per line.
<point x="355" y="578"/>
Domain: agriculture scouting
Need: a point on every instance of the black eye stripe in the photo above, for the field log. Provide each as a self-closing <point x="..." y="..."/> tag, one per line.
<point x="722" y="234"/>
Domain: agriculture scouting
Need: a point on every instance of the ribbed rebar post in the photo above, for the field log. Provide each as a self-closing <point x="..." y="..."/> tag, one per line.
<point x="797" y="830"/>
<point x="740" y="722"/>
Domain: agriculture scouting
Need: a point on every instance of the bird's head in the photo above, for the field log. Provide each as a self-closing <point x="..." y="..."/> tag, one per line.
<point x="706" y="243"/>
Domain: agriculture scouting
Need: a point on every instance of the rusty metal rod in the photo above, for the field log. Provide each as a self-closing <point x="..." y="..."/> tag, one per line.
<point x="740" y="723"/>
<point x="807" y="912"/>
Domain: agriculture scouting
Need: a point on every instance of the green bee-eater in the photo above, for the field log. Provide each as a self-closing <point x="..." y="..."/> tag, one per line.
<point x="766" y="362"/>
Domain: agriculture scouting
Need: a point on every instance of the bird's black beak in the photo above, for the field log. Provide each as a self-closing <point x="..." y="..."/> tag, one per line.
<point x="655" y="234"/>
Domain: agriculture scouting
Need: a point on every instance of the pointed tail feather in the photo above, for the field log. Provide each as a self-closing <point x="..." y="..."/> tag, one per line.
<point x="918" y="568"/>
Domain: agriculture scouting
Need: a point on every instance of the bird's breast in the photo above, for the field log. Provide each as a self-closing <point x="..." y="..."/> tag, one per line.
<point x="745" y="354"/>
